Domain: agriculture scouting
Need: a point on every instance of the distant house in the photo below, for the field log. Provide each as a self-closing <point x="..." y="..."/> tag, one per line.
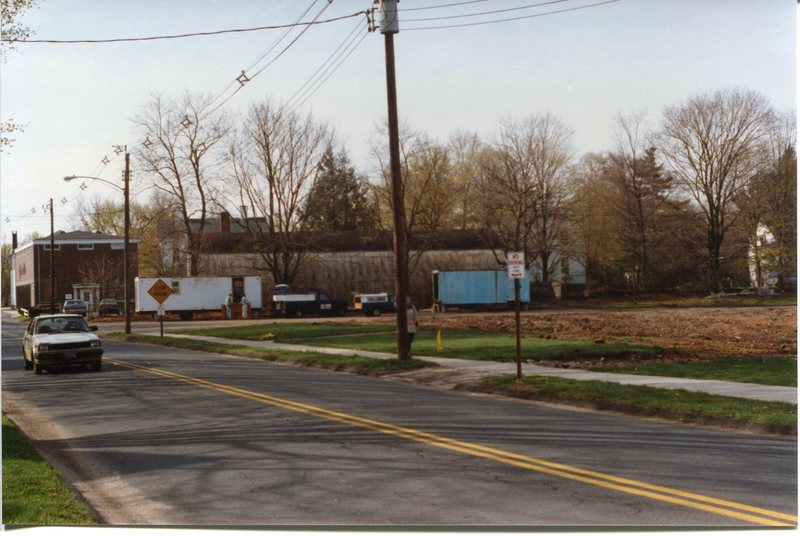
<point x="88" y="266"/>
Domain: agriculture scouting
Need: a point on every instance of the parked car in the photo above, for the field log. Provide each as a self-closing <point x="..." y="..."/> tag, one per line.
<point x="79" y="307"/>
<point x="60" y="340"/>
<point x="287" y="301"/>
<point x="374" y="304"/>
<point x="108" y="306"/>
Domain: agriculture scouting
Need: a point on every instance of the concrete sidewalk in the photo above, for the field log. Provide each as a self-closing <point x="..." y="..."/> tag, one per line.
<point x="752" y="391"/>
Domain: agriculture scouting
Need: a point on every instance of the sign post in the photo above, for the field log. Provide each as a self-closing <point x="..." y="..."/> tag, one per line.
<point x="160" y="291"/>
<point x="515" y="265"/>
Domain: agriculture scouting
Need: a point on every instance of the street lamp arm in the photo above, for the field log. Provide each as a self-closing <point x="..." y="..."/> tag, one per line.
<point x="126" y="258"/>
<point x="73" y="177"/>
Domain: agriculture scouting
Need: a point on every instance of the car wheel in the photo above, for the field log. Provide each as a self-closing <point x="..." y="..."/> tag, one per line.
<point x="298" y="313"/>
<point x="28" y="364"/>
<point x="37" y="368"/>
<point x="97" y="367"/>
<point x="376" y="312"/>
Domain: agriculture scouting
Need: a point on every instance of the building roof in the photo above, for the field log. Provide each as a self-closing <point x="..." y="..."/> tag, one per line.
<point x="78" y="237"/>
<point x="329" y="242"/>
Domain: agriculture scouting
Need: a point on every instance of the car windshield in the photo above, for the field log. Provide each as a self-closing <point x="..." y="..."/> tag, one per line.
<point x="61" y="325"/>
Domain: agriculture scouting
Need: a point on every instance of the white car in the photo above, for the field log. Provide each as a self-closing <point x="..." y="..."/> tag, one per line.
<point x="59" y="340"/>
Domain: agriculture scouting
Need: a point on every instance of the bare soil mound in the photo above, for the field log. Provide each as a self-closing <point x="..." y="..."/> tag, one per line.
<point x="682" y="332"/>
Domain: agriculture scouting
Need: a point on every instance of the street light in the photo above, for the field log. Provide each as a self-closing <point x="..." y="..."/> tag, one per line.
<point x="125" y="261"/>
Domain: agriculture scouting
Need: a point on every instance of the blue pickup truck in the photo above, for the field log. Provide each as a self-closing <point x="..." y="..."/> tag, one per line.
<point x="374" y="304"/>
<point x="298" y="302"/>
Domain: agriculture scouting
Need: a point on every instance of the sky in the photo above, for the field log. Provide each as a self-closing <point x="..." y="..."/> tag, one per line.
<point x="583" y="61"/>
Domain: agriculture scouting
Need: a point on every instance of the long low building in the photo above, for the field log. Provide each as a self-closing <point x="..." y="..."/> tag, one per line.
<point x="350" y="262"/>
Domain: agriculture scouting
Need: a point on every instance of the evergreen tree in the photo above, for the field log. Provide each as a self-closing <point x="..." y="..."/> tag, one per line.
<point x="338" y="198"/>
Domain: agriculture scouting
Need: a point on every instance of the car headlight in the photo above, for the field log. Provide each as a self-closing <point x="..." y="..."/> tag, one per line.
<point x="94" y="344"/>
<point x="43" y="347"/>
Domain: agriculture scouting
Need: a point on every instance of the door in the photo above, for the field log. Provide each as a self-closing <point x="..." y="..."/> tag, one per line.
<point x="237" y="288"/>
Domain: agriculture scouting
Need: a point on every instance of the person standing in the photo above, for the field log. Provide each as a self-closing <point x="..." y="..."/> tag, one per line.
<point x="413" y="323"/>
<point x="244" y="303"/>
<point x="228" y="306"/>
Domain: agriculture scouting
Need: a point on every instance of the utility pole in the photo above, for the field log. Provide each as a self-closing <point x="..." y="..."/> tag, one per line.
<point x="389" y="27"/>
<point x="126" y="254"/>
<point x="52" y="262"/>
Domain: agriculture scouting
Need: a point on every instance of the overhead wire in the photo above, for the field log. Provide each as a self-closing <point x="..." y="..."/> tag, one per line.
<point x="239" y="79"/>
<point x="180" y="36"/>
<point x="497" y="21"/>
<point x="334" y="60"/>
<point x="292" y="42"/>
<point x="324" y="67"/>
<point x="336" y="68"/>
<point x="453" y="4"/>
<point x="282" y="37"/>
<point x="249" y="78"/>
<point x="492" y="12"/>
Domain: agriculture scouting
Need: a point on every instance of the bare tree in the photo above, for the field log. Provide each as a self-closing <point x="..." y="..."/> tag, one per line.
<point x="427" y="183"/>
<point x="104" y="216"/>
<point x="595" y="225"/>
<point x="551" y="153"/>
<point x="713" y="144"/>
<point x="12" y="28"/>
<point x="638" y="191"/>
<point x="274" y="165"/>
<point x="178" y="153"/>
<point x="465" y="150"/>
<point x="525" y="188"/>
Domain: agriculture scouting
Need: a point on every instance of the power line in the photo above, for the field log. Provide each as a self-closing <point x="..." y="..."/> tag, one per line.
<point x="493" y="12"/>
<point x="293" y="41"/>
<point x="444" y="5"/>
<point x="345" y="55"/>
<point x="182" y="36"/>
<point x="244" y="78"/>
<point x="241" y="79"/>
<point x="310" y="83"/>
<point x="496" y="21"/>
<point x="282" y="37"/>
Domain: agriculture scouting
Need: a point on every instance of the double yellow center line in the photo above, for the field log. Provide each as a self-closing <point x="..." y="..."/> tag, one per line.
<point x="695" y="501"/>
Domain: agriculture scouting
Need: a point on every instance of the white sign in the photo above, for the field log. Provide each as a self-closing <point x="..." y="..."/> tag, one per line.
<point x="515" y="264"/>
<point x="161" y="310"/>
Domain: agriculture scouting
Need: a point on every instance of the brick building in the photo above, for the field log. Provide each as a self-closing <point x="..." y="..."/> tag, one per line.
<point x="88" y="266"/>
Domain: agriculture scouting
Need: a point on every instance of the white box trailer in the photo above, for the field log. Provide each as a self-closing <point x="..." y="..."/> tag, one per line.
<point x="197" y="294"/>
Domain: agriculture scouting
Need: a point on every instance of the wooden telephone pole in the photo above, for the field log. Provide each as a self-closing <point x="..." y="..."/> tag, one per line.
<point x="389" y="26"/>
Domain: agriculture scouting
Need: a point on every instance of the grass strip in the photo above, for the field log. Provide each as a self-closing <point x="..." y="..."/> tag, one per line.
<point x="462" y="344"/>
<point x="673" y="404"/>
<point x="761" y="370"/>
<point x="292" y="333"/>
<point x="33" y="492"/>
<point x="367" y="366"/>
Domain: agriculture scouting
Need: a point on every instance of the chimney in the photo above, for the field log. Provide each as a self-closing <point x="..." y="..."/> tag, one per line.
<point x="13" y="240"/>
<point x="225" y="222"/>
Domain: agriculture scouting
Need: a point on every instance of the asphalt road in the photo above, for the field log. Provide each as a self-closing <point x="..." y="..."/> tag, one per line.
<point x="164" y="436"/>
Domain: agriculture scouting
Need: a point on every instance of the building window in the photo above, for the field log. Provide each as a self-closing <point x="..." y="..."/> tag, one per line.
<point x="176" y="287"/>
<point x="56" y="248"/>
<point x="116" y="245"/>
<point x="85" y="247"/>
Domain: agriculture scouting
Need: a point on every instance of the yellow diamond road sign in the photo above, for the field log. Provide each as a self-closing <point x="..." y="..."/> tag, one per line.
<point x="160" y="291"/>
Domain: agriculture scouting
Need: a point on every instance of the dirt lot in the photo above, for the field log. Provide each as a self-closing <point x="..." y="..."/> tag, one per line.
<point x="681" y="332"/>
